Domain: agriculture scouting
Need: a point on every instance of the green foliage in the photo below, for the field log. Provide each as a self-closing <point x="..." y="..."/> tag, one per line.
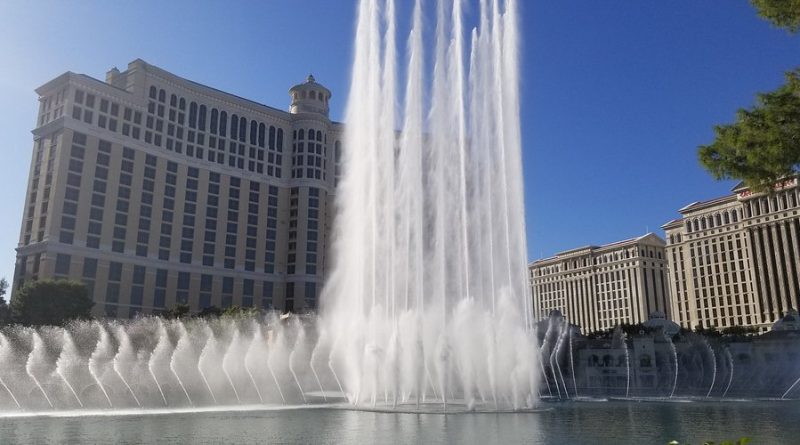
<point x="180" y="310"/>
<point x="763" y="145"/>
<point x="630" y="330"/>
<point x="211" y="311"/>
<point x="51" y="302"/>
<point x="782" y="13"/>
<point x="707" y="332"/>
<point x="739" y="331"/>
<point x="5" y="312"/>
<point x="236" y="311"/>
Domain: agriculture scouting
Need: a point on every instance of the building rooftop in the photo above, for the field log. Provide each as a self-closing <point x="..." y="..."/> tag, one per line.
<point x="593" y="248"/>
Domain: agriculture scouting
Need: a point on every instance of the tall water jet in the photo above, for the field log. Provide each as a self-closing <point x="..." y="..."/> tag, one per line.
<point x="627" y="368"/>
<point x="714" y="369"/>
<point x="675" y="360"/>
<point x="430" y="209"/>
<point x="572" y="363"/>
<point x="7" y="356"/>
<point x="102" y="353"/>
<point x="124" y="359"/>
<point x="161" y="351"/>
<point x="730" y="371"/>
<point x="68" y="358"/>
<point x="183" y="346"/>
<point x="209" y="350"/>
<point x="228" y="361"/>
<point x="249" y="358"/>
<point x="36" y="356"/>
<point x="301" y="337"/>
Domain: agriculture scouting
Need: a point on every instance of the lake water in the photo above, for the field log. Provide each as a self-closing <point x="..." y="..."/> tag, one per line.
<point x="614" y="422"/>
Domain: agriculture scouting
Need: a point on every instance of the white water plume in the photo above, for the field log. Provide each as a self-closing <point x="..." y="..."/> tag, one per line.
<point x="430" y="232"/>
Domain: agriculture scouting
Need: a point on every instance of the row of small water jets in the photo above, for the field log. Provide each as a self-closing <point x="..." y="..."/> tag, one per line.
<point x="153" y="362"/>
<point x="557" y="347"/>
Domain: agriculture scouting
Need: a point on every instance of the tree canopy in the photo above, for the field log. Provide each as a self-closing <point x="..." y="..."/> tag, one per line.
<point x="51" y="302"/>
<point x="782" y="13"/>
<point x="763" y="145"/>
<point x="5" y="312"/>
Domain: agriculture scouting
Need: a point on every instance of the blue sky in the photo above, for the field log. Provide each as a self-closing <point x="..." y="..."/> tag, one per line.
<point x="617" y="95"/>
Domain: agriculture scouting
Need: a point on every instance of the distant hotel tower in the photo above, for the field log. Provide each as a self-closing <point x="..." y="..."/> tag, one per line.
<point x="599" y="287"/>
<point x="156" y="190"/>
<point x="735" y="260"/>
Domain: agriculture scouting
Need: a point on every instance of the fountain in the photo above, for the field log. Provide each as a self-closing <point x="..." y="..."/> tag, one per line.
<point x="430" y="231"/>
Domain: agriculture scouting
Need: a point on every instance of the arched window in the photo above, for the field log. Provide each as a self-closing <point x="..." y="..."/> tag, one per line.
<point x="201" y="118"/>
<point x="253" y="132"/>
<point x="242" y="129"/>
<point x="310" y="134"/>
<point x="214" y="120"/>
<point x="301" y="134"/>
<point x="696" y="225"/>
<point x="192" y="115"/>
<point x="173" y="100"/>
<point x="319" y="136"/>
<point x="280" y="139"/>
<point x="234" y="126"/>
<point x="726" y="218"/>
<point x="735" y="215"/>
<point x="182" y="104"/>
<point x="688" y="223"/>
<point x="162" y="96"/>
<point x="271" y="137"/>
<point x="153" y="92"/>
<point x="313" y="94"/>
<point x="717" y="220"/>
<point x="223" y="123"/>
<point x="261" y="130"/>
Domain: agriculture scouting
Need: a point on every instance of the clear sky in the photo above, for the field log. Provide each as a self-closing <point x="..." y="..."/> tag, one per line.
<point x="617" y="95"/>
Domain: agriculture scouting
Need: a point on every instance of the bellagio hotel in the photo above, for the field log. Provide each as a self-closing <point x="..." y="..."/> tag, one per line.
<point x="154" y="190"/>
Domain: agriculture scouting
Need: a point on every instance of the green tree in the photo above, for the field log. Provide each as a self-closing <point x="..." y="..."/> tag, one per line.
<point x="180" y="310"/>
<point x="210" y="312"/>
<point x="51" y="302"/>
<point x="237" y="311"/>
<point x="5" y="312"/>
<point x="763" y="145"/>
<point x="782" y="13"/>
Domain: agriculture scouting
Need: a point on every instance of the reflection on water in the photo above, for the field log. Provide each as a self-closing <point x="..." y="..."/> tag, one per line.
<point x="573" y="423"/>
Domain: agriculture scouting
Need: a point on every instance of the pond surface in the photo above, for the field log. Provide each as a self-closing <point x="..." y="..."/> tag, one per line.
<point x="584" y="422"/>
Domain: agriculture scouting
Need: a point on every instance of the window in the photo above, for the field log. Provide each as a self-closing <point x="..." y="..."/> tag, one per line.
<point x="62" y="264"/>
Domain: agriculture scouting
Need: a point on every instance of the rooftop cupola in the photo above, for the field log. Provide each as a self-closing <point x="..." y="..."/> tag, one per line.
<point x="309" y="97"/>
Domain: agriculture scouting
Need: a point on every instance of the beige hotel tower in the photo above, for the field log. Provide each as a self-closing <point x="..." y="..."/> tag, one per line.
<point x="735" y="260"/>
<point x="155" y="190"/>
<point x="599" y="287"/>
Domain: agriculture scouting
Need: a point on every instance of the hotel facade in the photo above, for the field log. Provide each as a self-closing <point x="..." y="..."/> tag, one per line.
<point x="599" y="287"/>
<point x="155" y="190"/>
<point x="735" y="260"/>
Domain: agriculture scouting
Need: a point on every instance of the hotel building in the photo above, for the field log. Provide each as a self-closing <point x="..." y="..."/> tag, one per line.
<point x="155" y="190"/>
<point x="734" y="260"/>
<point x="599" y="287"/>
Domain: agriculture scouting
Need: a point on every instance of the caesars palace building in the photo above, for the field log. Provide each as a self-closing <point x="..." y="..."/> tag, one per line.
<point x="735" y="260"/>
<point x="599" y="287"/>
<point x="154" y="190"/>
